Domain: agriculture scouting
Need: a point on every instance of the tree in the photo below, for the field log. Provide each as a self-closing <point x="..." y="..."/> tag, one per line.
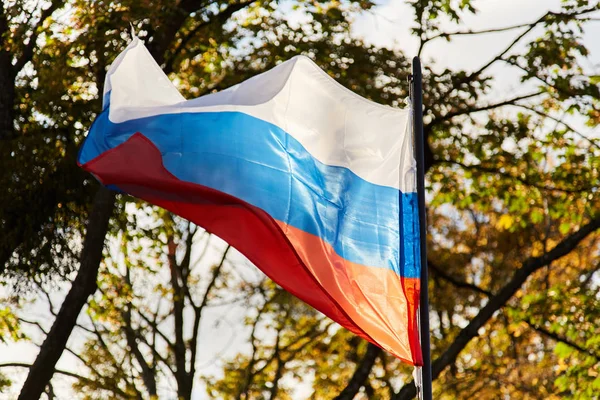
<point x="137" y="336"/>
<point x="170" y="30"/>
<point x="511" y="211"/>
<point x="513" y="182"/>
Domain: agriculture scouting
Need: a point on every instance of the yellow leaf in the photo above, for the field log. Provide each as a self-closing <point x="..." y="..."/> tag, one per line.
<point x="505" y="221"/>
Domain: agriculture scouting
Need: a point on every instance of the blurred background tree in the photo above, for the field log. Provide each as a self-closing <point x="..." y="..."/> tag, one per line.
<point x="513" y="209"/>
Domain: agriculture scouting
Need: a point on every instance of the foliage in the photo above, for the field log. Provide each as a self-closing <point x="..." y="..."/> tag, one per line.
<point x="511" y="178"/>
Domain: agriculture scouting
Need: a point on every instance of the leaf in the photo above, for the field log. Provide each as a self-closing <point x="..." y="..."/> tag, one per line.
<point x="537" y="216"/>
<point x="562" y="350"/>
<point x="564" y="228"/>
<point x="505" y="222"/>
<point x="595" y="79"/>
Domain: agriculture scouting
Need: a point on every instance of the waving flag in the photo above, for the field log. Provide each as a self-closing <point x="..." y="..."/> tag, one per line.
<point x="312" y="183"/>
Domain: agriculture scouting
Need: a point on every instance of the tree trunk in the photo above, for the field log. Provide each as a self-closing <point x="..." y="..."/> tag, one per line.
<point x="7" y="96"/>
<point x="83" y="286"/>
<point x="85" y="283"/>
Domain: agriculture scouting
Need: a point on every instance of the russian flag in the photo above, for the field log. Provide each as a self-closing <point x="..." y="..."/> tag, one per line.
<point x="312" y="183"/>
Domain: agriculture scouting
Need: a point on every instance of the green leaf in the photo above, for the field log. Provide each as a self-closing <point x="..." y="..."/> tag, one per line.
<point x="537" y="216"/>
<point x="562" y="350"/>
<point x="595" y="79"/>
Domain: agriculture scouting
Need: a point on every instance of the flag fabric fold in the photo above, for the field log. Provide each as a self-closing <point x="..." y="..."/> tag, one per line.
<point x="312" y="183"/>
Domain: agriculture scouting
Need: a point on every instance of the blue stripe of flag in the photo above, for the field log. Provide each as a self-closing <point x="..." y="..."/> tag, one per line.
<point x="260" y="163"/>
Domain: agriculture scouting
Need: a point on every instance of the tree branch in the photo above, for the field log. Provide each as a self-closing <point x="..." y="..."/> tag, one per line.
<point x="530" y="27"/>
<point x="361" y="373"/>
<point x="447" y="35"/>
<point x="83" y="379"/>
<point x="277" y="355"/>
<point x="156" y="355"/>
<point x="487" y="107"/>
<point x="154" y="326"/>
<point x="27" y="53"/>
<point x="310" y="335"/>
<point x="249" y="373"/>
<point x="3" y="24"/>
<point x="164" y="37"/>
<point x="58" y="371"/>
<point x="457" y="283"/>
<point x="558" y="338"/>
<point x="213" y="280"/>
<point x="498" y="57"/>
<point x="221" y="17"/>
<point x="178" y="308"/>
<point x="488" y="170"/>
<point x="198" y="312"/>
<point x="570" y="128"/>
<point x="102" y="342"/>
<point x="498" y="301"/>
<point x="148" y="376"/>
<point x="83" y="286"/>
<point x="541" y="79"/>
<point x="186" y="262"/>
<point x="35" y="323"/>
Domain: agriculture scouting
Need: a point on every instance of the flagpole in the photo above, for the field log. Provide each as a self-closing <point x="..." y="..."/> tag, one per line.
<point x="417" y="106"/>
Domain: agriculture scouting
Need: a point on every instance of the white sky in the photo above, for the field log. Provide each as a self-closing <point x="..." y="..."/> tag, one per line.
<point x="386" y="25"/>
<point x="389" y="25"/>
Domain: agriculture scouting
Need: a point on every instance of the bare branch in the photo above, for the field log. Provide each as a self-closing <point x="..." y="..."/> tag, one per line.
<point x="58" y="371"/>
<point x="562" y="339"/>
<point x="186" y="266"/>
<point x="35" y="323"/>
<point x="102" y="343"/>
<point x="508" y="48"/>
<point x="205" y="248"/>
<point x="541" y="79"/>
<point x="147" y="372"/>
<point x="530" y="27"/>
<point x="495" y="171"/>
<point x="46" y="295"/>
<point x="277" y="356"/>
<point x="213" y="280"/>
<point x="96" y="331"/>
<point x="148" y="376"/>
<point x="447" y="35"/>
<point x="310" y="335"/>
<point x="156" y="330"/>
<point x="198" y="311"/>
<point x="455" y="282"/>
<point x="181" y="375"/>
<point x="81" y="378"/>
<point x="156" y="354"/>
<point x="473" y="109"/>
<point x="243" y="390"/>
<point x="571" y="129"/>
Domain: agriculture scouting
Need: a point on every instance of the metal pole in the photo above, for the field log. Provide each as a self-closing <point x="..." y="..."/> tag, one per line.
<point x="417" y="104"/>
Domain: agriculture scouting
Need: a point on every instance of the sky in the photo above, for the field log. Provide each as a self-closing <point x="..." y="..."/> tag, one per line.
<point x="386" y="25"/>
<point x="389" y="25"/>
